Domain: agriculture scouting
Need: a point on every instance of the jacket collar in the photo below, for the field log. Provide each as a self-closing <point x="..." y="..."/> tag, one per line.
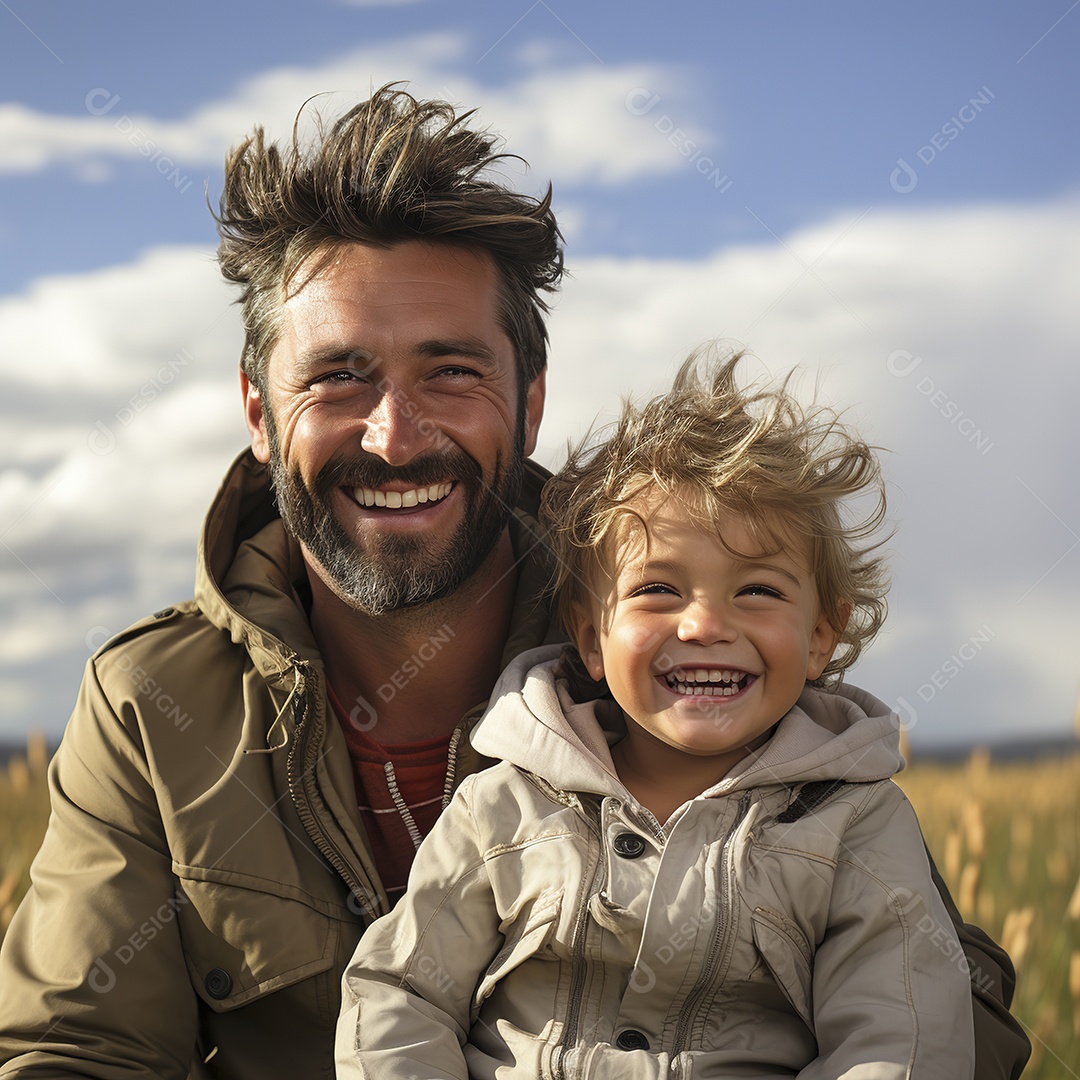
<point x="545" y="725"/>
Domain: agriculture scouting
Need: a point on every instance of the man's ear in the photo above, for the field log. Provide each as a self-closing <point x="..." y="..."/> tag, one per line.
<point x="534" y="410"/>
<point x="586" y="636"/>
<point x="823" y="640"/>
<point x="254" y="418"/>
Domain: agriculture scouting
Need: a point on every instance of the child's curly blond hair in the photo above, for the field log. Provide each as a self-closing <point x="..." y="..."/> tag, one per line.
<point x="719" y="449"/>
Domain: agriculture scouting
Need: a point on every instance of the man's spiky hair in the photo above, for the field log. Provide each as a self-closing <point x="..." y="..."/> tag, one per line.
<point x="391" y="169"/>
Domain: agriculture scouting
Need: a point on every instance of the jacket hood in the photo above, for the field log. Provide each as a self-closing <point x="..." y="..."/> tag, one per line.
<point x="250" y="569"/>
<point x="536" y="724"/>
<point x="251" y="579"/>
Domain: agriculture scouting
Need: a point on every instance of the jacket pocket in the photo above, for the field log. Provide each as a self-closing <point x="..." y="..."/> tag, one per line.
<point x="788" y="956"/>
<point x="245" y="937"/>
<point x="521" y="943"/>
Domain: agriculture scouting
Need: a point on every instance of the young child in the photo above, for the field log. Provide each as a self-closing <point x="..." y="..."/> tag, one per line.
<point x="691" y="861"/>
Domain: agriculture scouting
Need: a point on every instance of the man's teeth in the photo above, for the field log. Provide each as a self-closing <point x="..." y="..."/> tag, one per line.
<point x="711" y="681"/>
<point x="393" y="500"/>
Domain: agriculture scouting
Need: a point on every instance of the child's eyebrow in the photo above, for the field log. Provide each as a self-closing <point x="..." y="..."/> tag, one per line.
<point x="663" y="568"/>
<point x="651" y="568"/>
<point x="757" y="564"/>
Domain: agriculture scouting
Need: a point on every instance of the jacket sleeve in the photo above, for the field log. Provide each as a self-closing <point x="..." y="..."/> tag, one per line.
<point x="891" y="994"/>
<point x="93" y="981"/>
<point x="408" y="991"/>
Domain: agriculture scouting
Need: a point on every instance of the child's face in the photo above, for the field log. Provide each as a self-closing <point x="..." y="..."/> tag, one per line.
<point x="703" y="650"/>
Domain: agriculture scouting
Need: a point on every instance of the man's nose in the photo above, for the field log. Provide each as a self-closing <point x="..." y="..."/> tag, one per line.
<point x="705" y="622"/>
<point x="395" y="429"/>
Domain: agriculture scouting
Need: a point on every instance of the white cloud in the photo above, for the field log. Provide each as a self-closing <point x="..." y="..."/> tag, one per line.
<point x="31" y="140"/>
<point x="120" y="406"/>
<point x="956" y="289"/>
<point x="570" y="117"/>
<point x="576" y="123"/>
<point x="982" y="299"/>
<point x="116" y="332"/>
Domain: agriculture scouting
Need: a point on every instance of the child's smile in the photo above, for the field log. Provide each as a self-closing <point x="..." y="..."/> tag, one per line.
<point x="706" y="683"/>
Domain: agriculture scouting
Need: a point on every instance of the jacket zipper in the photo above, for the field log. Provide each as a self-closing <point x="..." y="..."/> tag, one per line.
<point x="577" y="976"/>
<point x="705" y="980"/>
<point x="302" y="787"/>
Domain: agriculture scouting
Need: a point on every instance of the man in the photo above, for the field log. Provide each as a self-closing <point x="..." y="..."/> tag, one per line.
<point x="365" y="571"/>
<point x="208" y="872"/>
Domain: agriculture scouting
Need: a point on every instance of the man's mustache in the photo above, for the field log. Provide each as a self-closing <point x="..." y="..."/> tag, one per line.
<point x="369" y="470"/>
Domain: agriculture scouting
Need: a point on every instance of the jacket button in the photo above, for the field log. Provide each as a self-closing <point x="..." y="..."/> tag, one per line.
<point x="629" y="845"/>
<point x="218" y="984"/>
<point x="164" y="613"/>
<point x="632" y="1039"/>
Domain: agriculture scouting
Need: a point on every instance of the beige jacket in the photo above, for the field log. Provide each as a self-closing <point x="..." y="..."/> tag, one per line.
<point x="204" y="878"/>
<point x="782" y="924"/>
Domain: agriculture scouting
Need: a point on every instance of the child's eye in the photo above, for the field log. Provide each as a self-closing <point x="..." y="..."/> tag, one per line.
<point x="761" y="590"/>
<point x="654" y="588"/>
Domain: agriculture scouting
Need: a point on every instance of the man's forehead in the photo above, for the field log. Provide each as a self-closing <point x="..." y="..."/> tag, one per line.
<point x="343" y="267"/>
<point x="415" y="289"/>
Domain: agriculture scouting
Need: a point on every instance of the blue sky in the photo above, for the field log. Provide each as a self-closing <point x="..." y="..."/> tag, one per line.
<point x="886" y="196"/>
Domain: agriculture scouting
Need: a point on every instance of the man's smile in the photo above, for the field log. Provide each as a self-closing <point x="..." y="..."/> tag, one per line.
<point x="393" y="500"/>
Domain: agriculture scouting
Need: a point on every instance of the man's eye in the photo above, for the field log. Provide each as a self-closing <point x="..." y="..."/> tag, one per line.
<point x="337" y="378"/>
<point x="457" y="371"/>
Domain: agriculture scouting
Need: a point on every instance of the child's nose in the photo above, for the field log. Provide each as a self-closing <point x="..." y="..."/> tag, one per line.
<point x="706" y="623"/>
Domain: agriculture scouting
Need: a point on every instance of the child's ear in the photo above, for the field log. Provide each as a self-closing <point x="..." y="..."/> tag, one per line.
<point x="823" y="640"/>
<point x="585" y="635"/>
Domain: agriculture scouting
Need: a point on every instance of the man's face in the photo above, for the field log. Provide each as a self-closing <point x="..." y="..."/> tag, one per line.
<point x="391" y="422"/>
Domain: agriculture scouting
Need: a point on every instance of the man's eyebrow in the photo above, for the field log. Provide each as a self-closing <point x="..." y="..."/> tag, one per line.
<point x="334" y="354"/>
<point x="473" y="348"/>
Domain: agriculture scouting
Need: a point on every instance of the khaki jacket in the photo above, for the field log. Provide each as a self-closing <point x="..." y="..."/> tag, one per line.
<point x="204" y="878"/>
<point x="782" y="924"/>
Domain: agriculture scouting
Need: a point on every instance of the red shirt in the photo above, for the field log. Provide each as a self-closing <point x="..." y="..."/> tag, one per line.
<point x="399" y="791"/>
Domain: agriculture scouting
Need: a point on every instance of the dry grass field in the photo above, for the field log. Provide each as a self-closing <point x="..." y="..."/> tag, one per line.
<point x="24" y="812"/>
<point x="1006" y="836"/>
<point x="1007" y="840"/>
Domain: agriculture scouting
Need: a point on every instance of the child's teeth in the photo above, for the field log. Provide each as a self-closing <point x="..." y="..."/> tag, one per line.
<point x="699" y="681"/>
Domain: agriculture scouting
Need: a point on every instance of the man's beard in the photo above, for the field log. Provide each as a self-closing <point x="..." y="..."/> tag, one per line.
<point x="386" y="572"/>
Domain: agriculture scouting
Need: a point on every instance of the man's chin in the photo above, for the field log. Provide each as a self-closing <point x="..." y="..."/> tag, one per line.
<point x="386" y="584"/>
<point x="381" y="570"/>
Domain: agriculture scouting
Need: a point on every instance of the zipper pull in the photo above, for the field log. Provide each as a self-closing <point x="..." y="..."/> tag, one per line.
<point x="296" y="692"/>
